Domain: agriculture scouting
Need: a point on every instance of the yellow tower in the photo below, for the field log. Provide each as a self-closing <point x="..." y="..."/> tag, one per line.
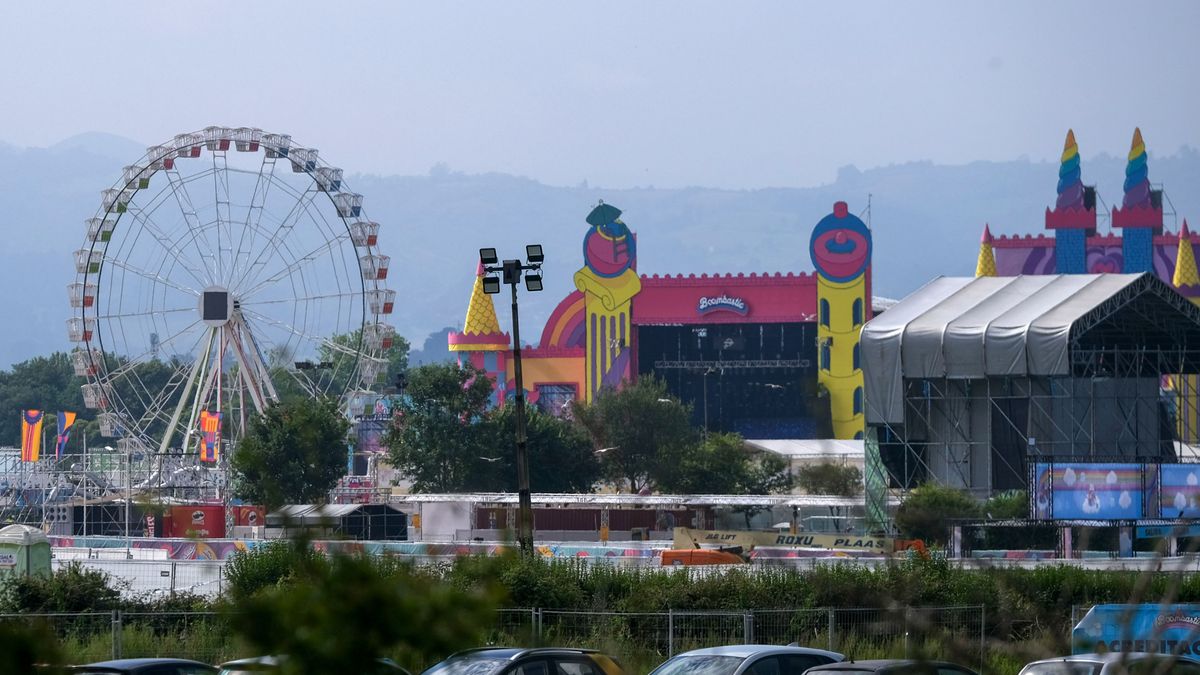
<point x="608" y="281"/>
<point x="841" y="253"/>
<point x="1185" y="387"/>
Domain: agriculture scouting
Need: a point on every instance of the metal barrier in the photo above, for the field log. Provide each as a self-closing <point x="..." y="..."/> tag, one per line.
<point x="158" y="577"/>
<point x="956" y="633"/>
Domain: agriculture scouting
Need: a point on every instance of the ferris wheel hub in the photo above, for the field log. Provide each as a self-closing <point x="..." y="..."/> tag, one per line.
<point x="216" y="306"/>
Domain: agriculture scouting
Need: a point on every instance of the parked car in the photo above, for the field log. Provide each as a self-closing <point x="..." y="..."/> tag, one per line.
<point x="540" y="661"/>
<point x="266" y="664"/>
<point x="747" y="660"/>
<point x="1114" y="663"/>
<point x="893" y="667"/>
<point x="151" y="666"/>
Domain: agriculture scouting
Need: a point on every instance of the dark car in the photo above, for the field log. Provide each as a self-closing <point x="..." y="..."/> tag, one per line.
<point x="1114" y="663"/>
<point x="541" y="661"/>
<point x="893" y="667"/>
<point x="150" y="666"/>
<point x="267" y="664"/>
<point x="747" y="660"/>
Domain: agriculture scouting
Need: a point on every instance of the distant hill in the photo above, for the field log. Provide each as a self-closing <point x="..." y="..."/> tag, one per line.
<point x="926" y="219"/>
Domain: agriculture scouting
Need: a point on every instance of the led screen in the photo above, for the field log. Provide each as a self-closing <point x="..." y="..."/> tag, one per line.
<point x="1085" y="491"/>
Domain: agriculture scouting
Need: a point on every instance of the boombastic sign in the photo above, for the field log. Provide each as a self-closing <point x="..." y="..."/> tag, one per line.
<point x="1161" y="629"/>
<point x="686" y="537"/>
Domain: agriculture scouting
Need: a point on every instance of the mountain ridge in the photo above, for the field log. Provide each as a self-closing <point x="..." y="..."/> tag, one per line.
<point x="433" y="224"/>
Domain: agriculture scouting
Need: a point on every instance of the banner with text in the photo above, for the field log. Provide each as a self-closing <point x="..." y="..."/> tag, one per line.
<point x="686" y="537"/>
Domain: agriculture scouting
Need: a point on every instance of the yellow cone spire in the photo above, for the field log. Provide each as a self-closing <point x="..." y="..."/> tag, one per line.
<point x="481" y="313"/>
<point x="986" y="266"/>
<point x="1185" y="261"/>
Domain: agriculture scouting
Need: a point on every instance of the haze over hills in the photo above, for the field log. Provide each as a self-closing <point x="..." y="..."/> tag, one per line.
<point x="926" y="220"/>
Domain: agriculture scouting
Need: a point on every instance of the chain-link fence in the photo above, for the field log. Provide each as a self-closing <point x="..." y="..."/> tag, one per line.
<point x="641" y="637"/>
<point x="96" y="636"/>
<point x="862" y="633"/>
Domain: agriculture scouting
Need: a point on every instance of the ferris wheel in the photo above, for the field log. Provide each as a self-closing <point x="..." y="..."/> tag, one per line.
<point x="226" y="269"/>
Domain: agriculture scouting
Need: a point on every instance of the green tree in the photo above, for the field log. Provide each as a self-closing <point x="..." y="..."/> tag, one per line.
<point x="722" y="464"/>
<point x="293" y="453"/>
<point x="930" y="509"/>
<point x="638" y="429"/>
<point x="338" y="615"/>
<point x="340" y="352"/>
<point x="561" y="458"/>
<point x="434" y="440"/>
<point x="46" y="383"/>
<point x="828" y="478"/>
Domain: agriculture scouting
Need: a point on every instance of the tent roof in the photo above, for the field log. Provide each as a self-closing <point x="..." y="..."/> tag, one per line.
<point x="972" y="328"/>
<point x="22" y="534"/>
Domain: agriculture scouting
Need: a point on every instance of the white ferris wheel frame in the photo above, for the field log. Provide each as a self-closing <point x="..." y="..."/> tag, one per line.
<point x="203" y="380"/>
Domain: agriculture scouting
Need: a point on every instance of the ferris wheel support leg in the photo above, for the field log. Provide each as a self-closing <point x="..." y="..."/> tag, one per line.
<point x="207" y="376"/>
<point x="183" y="397"/>
<point x="203" y="393"/>
<point x="262" y="389"/>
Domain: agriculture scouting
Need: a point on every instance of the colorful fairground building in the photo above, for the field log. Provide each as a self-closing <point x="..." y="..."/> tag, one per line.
<point x="1137" y="241"/>
<point x="770" y="356"/>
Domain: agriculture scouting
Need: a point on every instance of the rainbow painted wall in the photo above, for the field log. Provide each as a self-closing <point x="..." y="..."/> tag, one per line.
<point x="589" y="341"/>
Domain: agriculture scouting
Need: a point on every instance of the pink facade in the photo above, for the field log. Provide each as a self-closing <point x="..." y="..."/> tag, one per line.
<point x="715" y="299"/>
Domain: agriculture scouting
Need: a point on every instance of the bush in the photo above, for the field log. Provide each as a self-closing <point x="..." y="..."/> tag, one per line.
<point x="930" y="509"/>
<point x="267" y="565"/>
<point x="73" y="588"/>
<point x="345" y="611"/>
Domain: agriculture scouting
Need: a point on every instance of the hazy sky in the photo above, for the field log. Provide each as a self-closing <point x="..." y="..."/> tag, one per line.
<point x="732" y="94"/>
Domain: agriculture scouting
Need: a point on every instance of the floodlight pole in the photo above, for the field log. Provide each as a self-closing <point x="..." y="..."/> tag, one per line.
<point x="524" y="500"/>
<point x="511" y="271"/>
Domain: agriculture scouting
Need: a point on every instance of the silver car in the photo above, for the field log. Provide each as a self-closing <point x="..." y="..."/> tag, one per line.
<point x="1114" y="663"/>
<point x="747" y="660"/>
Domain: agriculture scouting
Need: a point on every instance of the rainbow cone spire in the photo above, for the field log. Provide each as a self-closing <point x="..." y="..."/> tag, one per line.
<point x="1137" y="175"/>
<point x="1137" y="209"/>
<point x="1070" y="176"/>
<point x="1070" y="210"/>
<point x="986" y="266"/>
<point x="1185" y="261"/>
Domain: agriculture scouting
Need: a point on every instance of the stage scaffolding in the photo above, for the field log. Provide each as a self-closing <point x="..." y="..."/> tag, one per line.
<point x="85" y="494"/>
<point x="1105" y="370"/>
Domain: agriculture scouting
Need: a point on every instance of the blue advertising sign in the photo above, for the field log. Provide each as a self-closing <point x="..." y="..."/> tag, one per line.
<point x="1088" y="491"/>
<point x="1160" y="629"/>
<point x="1179" y="487"/>
<point x="1160" y="531"/>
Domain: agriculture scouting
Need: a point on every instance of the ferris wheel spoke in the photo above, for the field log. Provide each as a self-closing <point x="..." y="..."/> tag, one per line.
<point x="302" y="298"/>
<point x="286" y="225"/>
<point x="306" y="259"/>
<point x="221" y="200"/>
<point x="188" y="210"/>
<point x="146" y="221"/>
<point x="150" y="276"/>
<point x="320" y="341"/>
<point x="132" y="362"/>
<point x="254" y="213"/>
<point x="148" y="312"/>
